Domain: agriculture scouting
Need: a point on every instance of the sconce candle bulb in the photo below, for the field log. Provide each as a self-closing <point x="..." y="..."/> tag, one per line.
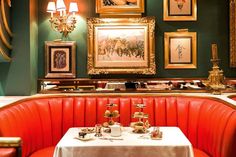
<point x="64" y="22"/>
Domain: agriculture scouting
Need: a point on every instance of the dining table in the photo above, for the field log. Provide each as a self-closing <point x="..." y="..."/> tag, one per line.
<point x="172" y="144"/>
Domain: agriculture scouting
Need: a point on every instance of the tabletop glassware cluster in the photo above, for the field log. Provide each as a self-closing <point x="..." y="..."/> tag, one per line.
<point x="112" y="130"/>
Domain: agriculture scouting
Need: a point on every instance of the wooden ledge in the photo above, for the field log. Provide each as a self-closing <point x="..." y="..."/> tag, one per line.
<point x="10" y="141"/>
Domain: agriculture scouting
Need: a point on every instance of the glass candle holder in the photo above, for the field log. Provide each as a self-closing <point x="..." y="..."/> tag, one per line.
<point x="98" y="130"/>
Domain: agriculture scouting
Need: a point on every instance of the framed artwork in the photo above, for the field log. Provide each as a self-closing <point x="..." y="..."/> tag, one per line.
<point x="121" y="46"/>
<point x="113" y="8"/>
<point x="180" y="10"/>
<point x="232" y="34"/>
<point x="180" y="50"/>
<point x="60" y="59"/>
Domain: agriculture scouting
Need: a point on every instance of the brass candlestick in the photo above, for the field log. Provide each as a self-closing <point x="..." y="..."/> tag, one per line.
<point x="215" y="81"/>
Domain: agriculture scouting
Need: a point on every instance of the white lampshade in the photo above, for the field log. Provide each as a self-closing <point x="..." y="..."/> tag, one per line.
<point x="73" y="7"/>
<point x="61" y="5"/>
<point x="51" y="7"/>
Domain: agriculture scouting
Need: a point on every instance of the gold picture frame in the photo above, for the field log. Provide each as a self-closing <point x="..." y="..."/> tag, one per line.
<point x="232" y="34"/>
<point x="60" y="59"/>
<point x="117" y="8"/>
<point x="180" y="10"/>
<point x="121" y="46"/>
<point x="180" y="50"/>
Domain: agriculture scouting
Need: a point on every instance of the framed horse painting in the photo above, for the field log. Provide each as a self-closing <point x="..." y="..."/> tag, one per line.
<point x="121" y="46"/>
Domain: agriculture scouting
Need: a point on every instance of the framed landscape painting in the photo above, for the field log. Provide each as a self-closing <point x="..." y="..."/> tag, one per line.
<point x="121" y="46"/>
<point x="60" y="59"/>
<point x="180" y="50"/>
<point x="180" y="10"/>
<point x="113" y="8"/>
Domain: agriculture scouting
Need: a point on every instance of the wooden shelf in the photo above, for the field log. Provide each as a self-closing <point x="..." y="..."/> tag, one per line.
<point x="86" y="85"/>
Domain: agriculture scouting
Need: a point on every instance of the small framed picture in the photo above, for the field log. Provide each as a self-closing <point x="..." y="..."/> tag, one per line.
<point x="113" y="8"/>
<point x="180" y="10"/>
<point x="60" y="59"/>
<point x="121" y="46"/>
<point x="180" y="50"/>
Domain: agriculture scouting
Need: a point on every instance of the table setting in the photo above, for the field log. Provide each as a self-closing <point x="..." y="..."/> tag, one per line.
<point x="139" y="139"/>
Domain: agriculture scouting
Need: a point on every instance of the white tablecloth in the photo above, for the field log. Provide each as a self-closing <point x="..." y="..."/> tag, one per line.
<point x="173" y="144"/>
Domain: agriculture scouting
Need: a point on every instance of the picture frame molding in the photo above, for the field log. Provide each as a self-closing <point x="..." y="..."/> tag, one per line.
<point x="148" y="22"/>
<point x="232" y="24"/>
<point x="193" y="64"/>
<point x="167" y="17"/>
<point x="72" y="59"/>
<point x="119" y="11"/>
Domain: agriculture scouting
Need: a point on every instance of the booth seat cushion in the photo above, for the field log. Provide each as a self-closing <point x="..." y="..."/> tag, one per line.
<point x="45" y="152"/>
<point x="209" y="124"/>
<point x="199" y="153"/>
<point x="7" y="152"/>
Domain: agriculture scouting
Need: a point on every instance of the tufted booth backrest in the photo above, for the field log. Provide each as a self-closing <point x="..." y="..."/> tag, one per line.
<point x="210" y="125"/>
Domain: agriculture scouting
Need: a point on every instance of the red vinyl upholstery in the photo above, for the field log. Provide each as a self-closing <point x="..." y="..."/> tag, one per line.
<point x="209" y="124"/>
<point x="7" y="152"/>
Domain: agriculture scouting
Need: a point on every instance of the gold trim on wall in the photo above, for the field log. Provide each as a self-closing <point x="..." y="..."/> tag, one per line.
<point x="168" y="17"/>
<point x="193" y="55"/>
<point x="4" y="55"/>
<point x="6" y="25"/>
<point x="233" y="33"/>
<point x="4" y="40"/>
<point x="9" y="3"/>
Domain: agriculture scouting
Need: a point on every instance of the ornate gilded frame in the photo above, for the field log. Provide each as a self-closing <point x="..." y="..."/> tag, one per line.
<point x="119" y="10"/>
<point x="67" y="66"/>
<point x="168" y="17"/>
<point x="117" y="65"/>
<point x="232" y="33"/>
<point x="192" y="64"/>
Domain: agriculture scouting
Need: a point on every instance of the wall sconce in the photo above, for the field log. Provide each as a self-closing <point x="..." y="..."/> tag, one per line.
<point x="62" y="22"/>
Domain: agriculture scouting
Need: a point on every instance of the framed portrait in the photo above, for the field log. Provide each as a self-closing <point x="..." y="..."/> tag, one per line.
<point x="114" y="8"/>
<point x="232" y="34"/>
<point x="180" y="10"/>
<point x="121" y="46"/>
<point x="60" y="59"/>
<point x="180" y="50"/>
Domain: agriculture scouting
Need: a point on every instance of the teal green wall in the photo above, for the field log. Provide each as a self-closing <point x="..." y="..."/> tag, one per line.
<point x="212" y="26"/>
<point x="86" y="9"/>
<point x="19" y="77"/>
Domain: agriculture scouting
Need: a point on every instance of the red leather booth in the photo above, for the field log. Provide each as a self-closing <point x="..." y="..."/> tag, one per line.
<point x="209" y="124"/>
